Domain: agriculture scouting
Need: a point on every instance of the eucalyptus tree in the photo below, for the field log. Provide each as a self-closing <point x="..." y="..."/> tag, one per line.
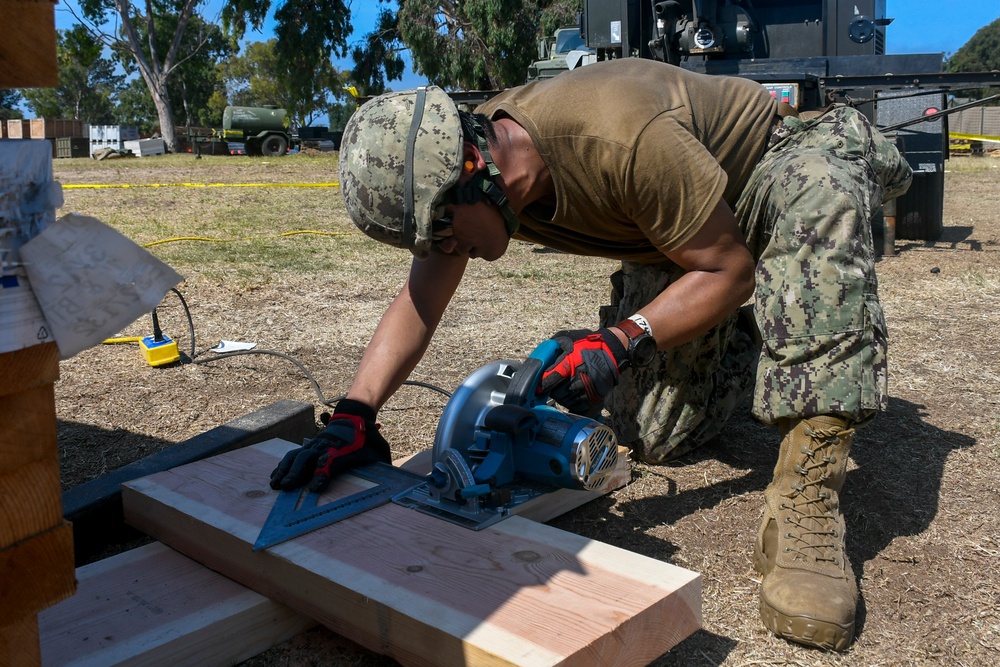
<point x="467" y="44"/>
<point x="306" y="30"/>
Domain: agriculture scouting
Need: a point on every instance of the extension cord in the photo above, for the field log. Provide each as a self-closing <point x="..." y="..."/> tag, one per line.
<point x="159" y="352"/>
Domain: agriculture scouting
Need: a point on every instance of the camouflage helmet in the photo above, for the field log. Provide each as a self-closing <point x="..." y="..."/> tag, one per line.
<point x="399" y="156"/>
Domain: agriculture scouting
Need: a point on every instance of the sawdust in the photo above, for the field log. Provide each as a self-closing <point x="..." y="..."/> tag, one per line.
<point x="920" y="499"/>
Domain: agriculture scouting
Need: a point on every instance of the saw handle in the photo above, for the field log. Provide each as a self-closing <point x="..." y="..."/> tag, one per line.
<point x="524" y="384"/>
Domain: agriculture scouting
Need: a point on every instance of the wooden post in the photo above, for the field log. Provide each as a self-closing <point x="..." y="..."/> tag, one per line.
<point x="28" y="47"/>
<point x="36" y="545"/>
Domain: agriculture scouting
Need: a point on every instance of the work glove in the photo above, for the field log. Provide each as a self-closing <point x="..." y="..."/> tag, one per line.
<point x="350" y="439"/>
<point x="586" y="372"/>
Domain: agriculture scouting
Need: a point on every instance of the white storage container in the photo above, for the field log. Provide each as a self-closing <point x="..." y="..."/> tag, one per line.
<point x="111" y="136"/>
<point x="146" y="147"/>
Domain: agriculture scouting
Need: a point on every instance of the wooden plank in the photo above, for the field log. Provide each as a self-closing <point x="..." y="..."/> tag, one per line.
<point x="29" y="454"/>
<point x="136" y="607"/>
<point x="28" y="367"/>
<point x="422" y="590"/>
<point x="95" y="508"/>
<point x="28" y="47"/>
<point x="153" y="606"/>
<point x="30" y="491"/>
<point x="36" y="573"/>
<point x="19" y="643"/>
<point x="29" y="500"/>
<point x="29" y="427"/>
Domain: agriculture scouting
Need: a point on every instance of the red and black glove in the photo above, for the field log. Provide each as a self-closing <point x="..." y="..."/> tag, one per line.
<point x="350" y="439"/>
<point x="587" y="371"/>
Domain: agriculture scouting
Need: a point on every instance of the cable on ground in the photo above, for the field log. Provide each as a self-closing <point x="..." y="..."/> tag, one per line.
<point x="197" y="358"/>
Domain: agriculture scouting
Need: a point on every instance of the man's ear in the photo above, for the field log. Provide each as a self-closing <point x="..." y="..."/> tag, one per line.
<point x="472" y="156"/>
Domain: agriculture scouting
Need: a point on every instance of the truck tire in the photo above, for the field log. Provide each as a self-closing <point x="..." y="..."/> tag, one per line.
<point x="274" y="145"/>
<point x="920" y="212"/>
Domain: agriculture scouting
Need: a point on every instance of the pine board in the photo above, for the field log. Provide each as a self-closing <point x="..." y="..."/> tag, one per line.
<point x="151" y="607"/>
<point x="35" y="573"/>
<point x="28" y="47"/>
<point x="421" y="590"/>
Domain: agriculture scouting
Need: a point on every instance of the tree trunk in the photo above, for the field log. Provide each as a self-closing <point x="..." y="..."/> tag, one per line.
<point x="165" y="112"/>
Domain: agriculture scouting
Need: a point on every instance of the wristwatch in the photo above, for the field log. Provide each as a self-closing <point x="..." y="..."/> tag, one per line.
<point x="641" y="345"/>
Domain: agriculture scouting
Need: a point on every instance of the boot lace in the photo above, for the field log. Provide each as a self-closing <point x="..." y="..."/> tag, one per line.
<point x="812" y="526"/>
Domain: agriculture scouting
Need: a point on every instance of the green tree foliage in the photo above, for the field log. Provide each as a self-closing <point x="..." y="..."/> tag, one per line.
<point x="195" y="78"/>
<point x="339" y="114"/>
<point x="135" y="107"/>
<point x="475" y="44"/>
<point x="377" y="58"/>
<point x="469" y="44"/>
<point x="9" y="99"/>
<point x="980" y="54"/>
<point x="87" y="85"/>
<point x="309" y="33"/>
<point x="257" y="78"/>
<point x="558" y="14"/>
<point x="121" y="25"/>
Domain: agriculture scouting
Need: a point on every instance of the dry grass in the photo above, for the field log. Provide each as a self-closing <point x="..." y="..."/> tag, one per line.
<point x="921" y="494"/>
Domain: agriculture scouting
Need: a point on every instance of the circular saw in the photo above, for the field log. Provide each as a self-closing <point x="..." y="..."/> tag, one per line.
<point x="500" y="443"/>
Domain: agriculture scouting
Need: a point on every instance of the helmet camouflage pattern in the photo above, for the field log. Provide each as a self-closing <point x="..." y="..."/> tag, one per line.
<point x="399" y="155"/>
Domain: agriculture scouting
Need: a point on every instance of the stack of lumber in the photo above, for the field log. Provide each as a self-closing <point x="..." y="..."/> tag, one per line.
<point x="36" y="544"/>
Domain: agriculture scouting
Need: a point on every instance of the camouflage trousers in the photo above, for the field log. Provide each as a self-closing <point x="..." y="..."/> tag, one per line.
<point x="806" y="215"/>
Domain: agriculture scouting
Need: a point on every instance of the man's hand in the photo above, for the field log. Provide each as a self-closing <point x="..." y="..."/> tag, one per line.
<point x="586" y="372"/>
<point x="350" y="439"/>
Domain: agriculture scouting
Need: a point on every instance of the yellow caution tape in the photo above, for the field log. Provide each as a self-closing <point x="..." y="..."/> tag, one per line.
<point x="210" y="239"/>
<point x="972" y="137"/>
<point x="76" y="186"/>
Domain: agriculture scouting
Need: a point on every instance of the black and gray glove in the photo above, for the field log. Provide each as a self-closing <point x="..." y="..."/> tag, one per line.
<point x="350" y="439"/>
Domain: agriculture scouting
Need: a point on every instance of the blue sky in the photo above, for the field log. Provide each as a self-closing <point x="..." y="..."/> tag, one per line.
<point x="920" y="26"/>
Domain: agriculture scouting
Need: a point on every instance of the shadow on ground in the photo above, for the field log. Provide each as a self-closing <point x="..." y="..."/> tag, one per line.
<point x="892" y="492"/>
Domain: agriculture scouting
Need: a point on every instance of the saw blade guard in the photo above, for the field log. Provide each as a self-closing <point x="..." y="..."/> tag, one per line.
<point x="486" y="388"/>
<point x="466" y="410"/>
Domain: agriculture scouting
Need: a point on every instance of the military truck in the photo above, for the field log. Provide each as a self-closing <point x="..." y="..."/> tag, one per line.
<point x="564" y="50"/>
<point x="263" y="130"/>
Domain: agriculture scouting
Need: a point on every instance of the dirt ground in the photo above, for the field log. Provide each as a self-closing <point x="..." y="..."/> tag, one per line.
<point x="921" y="498"/>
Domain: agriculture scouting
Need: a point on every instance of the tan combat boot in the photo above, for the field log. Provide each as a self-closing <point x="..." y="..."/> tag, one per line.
<point x="808" y="592"/>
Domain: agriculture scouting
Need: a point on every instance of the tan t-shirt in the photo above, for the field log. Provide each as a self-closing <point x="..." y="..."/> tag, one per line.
<point x="639" y="151"/>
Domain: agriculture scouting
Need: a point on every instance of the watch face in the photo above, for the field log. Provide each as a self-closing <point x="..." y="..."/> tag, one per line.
<point x="643" y="350"/>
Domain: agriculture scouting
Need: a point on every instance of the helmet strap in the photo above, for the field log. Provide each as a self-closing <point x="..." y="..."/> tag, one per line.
<point x="481" y="186"/>
<point x="409" y="214"/>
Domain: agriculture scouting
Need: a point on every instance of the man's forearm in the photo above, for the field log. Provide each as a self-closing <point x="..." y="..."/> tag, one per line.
<point x="395" y="350"/>
<point x="692" y="305"/>
<point x="719" y="279"/>
<point x="406" y="329"/>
